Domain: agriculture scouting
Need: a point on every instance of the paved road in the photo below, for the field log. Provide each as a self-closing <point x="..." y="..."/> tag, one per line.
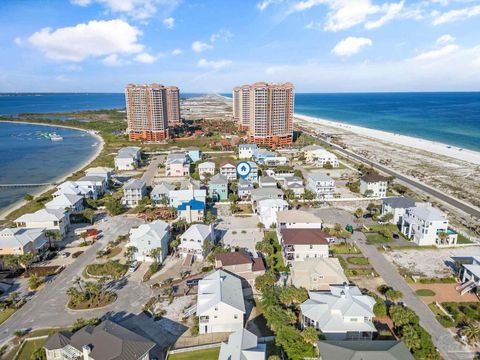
<point x="48" y="307"/>
<point x="469" y="209"/>
<point x="442" y="338"/>
<point x="152" y="167"/>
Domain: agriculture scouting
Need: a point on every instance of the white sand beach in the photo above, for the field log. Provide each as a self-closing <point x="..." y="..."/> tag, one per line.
<point x="98" y="149"/>
<point x="417" y="143"/>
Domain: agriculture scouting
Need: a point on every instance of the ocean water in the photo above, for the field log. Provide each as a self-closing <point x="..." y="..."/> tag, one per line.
<point x="450" y="118"/>
<point x="13" y="104"/>
<point x="27" y="157"/>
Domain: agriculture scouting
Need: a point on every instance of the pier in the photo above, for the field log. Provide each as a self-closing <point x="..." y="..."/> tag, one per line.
<point x="25" y="185"/>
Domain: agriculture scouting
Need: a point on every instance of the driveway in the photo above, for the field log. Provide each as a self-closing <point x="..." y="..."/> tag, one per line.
<point x="47" y="308"/>
<point x="442" y="338"/>
<point x="152" y="167"/>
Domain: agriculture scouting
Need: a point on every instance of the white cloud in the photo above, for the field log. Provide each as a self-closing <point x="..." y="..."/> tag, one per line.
<point x="437" y="53"/>
<point x="222" y="34"/>
<point x="391" y="12"/>
<point x="112" y="60"/>
<point x="351" y="45"/>
<point x="212" y="64"/>
<point x="263" y="5"/>
<point x="169" y="22"/>
<point x="93" y="39"/>
<point x="445" y="39"/>
<point x="145" y="58"/>
<point x="314" y="25"/>
<point x="177" y="51"/>
<point x="199" y="46"/>
<point x="18" y="41"/>
<point x="456" y="15"/>
<point x="138" y="9"/>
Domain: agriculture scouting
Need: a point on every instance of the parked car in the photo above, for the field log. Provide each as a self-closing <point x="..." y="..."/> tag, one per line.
<point x="193" y="282"/>
<point x="65" y="254"/>
<point x="133" y="266"/>
<point x="396" y="236"/>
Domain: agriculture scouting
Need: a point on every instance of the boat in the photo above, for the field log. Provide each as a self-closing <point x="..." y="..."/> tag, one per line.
<point x="55" y="137"/>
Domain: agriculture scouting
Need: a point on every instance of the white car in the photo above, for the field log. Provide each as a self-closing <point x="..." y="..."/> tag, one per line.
<point x="133" y="266"/>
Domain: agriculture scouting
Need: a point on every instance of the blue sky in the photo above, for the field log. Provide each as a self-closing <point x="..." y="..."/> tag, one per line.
<point x="211" y="46"/>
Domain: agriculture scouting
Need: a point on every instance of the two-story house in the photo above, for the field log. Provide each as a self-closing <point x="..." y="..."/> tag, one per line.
<point x="397" y="207"/>
<point x="218" y="188"/>
<point x="342" y="313"/>
<point x="294" y="184"/>
<point x="177" y="197"/>
<point x="72" y="203"/>
<point x="425" y="225"/>
<point x="267" y="182"/>
<point x="322" y="185"/>
<point x="191" y="211"/>
<point x="207" y="167"/>
<point x="159" y="193"/>
<point x="133" y="192"/>
<point x="267" y="210"/>
<point x="147" y="237"/>
<point x="192" y="241"/>
<point x="20" y="241"/>
<point x="177" y="164"/>
<point x="244" y="189"/>
<point x="49" y="219"/>
<point x="220" y="303"/>
<point x="247" y="151"/>
<point x="128" y="158"/>
<point x="301" y="244"/>
<point x="297" y="219"/>
<point x="228" y="170"/>
<point x="373" y="185"/>
<point x="317" y="155"/>
<point x="194" y="154"/>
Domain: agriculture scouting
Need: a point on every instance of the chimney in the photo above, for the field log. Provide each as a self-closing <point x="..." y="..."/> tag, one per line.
<point x="342" y="294"/>
<point x="86" y="350"/>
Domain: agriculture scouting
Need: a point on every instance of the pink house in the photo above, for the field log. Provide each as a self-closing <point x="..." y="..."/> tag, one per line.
<point x="177" y="168"/>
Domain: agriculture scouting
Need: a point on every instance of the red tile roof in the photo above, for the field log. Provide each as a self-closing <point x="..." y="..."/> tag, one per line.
<point x="304" y="237"/>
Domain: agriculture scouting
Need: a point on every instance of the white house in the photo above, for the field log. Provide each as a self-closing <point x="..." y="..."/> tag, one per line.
<point x="177" y="197"/>
<point x="229" y="171"/>
<point x="191" y="211"/>
<point x="294" y="184"/>
<point x="425" y="225"/>
<point x="470" y="274"/>
<point x="133" y="192"/>
<point x="275" y="161"/>
<point x="192" y="240"/>
<point x="298" y="219"/>
<point x="49" y="219"/>
<point x="150" y="236"/>
<point x="242" y="345"/>
<point x="267" y="210"/>
<point x="69" y="188"/>
<point x="207" y="167"/>
<point x="247" y="151"/>
<point x="160" y="192"/>
<point x="317" y="273"/>
<point x="342" y="313"/>
<point x="373" y="185"/>
<point x="220" y="303"/>
<point x="321" y="184"/>
<point x="128" y="158"/>
<point x="74" y="203"/>
<point x="317" y="155"/>
<point x="266" y="193"/>
<point x="101" y="171"/>
<point x="244" y="189"/>
<point x="301" y="244"/>
<point x="20" y="241"/>
<point x="253" y="174"/>
<point x="96" y="184"/>
<point x="397" y="207"/>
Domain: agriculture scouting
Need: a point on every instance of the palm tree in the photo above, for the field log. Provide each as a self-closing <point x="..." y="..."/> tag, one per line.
<point x="25" y="260"/>
<point x="155" y="253"/>
<point x="471" y="331"/>
<point x="130" y="253"/>
<point x="443" y="236"/>
<point x="174" y="243"/>
<point x="10" y="262"/>
<point x="54" y="235"/>
<point x="78" y="281"/>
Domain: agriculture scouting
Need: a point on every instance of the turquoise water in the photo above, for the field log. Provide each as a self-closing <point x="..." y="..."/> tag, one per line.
<point x="28" y="157"/>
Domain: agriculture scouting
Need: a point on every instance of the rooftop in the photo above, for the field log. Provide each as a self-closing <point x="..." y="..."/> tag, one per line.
<point x="319" y="176"/>
<point x="239" y="258"/>
<point x="425" y="211"/>
<point x="373" y="177"/>
<point x="399" y="202"/>
<point x="134" y="184"/>
<point x="364" y="350"/>
<point x="304" y="237"/>
<point x="194" y="205"/>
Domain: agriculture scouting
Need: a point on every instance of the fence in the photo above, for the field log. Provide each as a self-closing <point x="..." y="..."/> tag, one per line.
<point x="20" y="348"/>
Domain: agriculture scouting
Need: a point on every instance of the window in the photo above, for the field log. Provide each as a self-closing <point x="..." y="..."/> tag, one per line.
<point x="235" y="316"/>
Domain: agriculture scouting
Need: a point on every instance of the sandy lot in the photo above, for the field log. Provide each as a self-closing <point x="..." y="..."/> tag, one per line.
<point x="430" y="263"/>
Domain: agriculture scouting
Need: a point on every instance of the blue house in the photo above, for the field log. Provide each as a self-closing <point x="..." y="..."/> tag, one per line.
<point x="218" y="188"/>
<point x="194" y="154"/>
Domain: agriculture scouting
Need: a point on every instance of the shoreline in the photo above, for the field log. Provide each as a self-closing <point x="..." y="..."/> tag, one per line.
<point x="434" y="147"/>
<point x="61" y="178"/>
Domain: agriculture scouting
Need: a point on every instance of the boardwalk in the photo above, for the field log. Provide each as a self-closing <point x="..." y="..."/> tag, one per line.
<point x="24" y="185"/>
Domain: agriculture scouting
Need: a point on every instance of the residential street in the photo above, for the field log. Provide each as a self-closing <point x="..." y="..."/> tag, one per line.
<point x="48" y="307"/>
<point x="149" y="174"/>
<point x="442" y="338"/>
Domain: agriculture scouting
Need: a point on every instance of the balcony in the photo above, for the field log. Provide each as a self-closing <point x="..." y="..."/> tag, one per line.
<point x="204" y="320"/>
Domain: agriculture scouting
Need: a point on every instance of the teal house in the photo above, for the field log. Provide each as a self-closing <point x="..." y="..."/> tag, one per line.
<point x="218" y="188"/>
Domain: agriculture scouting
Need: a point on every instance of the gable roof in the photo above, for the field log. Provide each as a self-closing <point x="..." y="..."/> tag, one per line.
<point x="63" y="201"/>
<point x="162" y="189"/>
<point x="329" y="309"/>
<point x="13" y="237"/>
<point x="198" y="232"/>
<point x="427" y="212"/>
<point x="206" y="165"/>
<point x="373" y="177"/>
<point x="156" y="230"/>
<point x="219" y="287"/>
<point x="399" y="202"/>
<point x="304" y="237"/>
<point x="242" y="345"/>
<point x="133" y="184"/>
<point x="194" y="205"/>
<point x="43" y="215"/>
<point x="240" y="258"/>
<point x="364" y="350"/>
<point x="107" y="341"/>
<point x="319" y="176"/>
<point x="218" y="179"/>
<point x="227" y="164"/>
